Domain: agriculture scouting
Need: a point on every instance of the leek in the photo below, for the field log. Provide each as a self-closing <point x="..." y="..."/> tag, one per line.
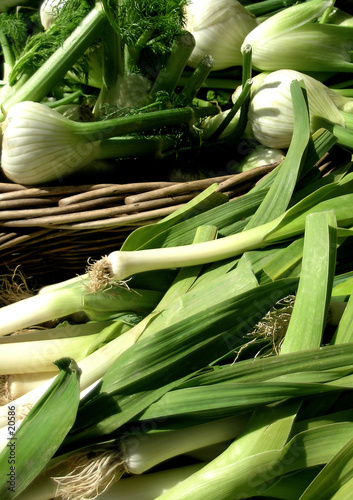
<point x="121" y="264"/>
<point x="336" y="473"/>
<point x="135" y="453"/>
<point x="343" y="332"/>
<point x="16" y="385"/>
<point x="36" y="352"/>
<point x="63" y="302"/>
<point x="266" y="451"/>
<point x="314" y="291"/>
<point x="239" y="470"/>
<point x="144" y="487"/>
<point x="95" y="364"/>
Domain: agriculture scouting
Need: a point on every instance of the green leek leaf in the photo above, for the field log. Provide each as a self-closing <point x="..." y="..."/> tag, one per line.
<point x="333" y="476"/>
<point x="42" y="431"/>
<point x="309" y="313"/>
<point x="205" y="201"/>
<point x="278" y="197"/>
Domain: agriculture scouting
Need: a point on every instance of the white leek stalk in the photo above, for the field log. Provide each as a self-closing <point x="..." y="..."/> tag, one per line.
<point x="137" y="454"/>
<point x="271" y="114"/>
<point x="289" y="39"/>
<point x="41" y="308"/>
<point x="15" y="386"/>
<point x="119" y="265"/>
<point x="74" y="297"/>
<point x="93" y="367"/>
<point x="41" y="145"/>
<point x="144" y="487"/>
<point x="143" y="452"/>
<point x="219" y="28"/>
<point x="32" y="356"/>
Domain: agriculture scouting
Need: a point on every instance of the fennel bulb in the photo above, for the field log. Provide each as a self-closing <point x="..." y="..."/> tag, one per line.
<point x="259" y="156"/>
<point x="48" y="12"/>
<point x="292" y="39"/>
<point x="219" y="28"/>
<point x="131" y="91"/>
<point x="271" y="115"/>
<point x="40" y="144"/>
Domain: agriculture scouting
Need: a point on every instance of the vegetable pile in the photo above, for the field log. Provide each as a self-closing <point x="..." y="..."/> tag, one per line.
<point x="211" y="356"/>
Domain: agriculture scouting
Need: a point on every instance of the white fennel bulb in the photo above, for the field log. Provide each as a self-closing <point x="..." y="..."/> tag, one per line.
<point x="259" y="156"/>
<point x="131" y="91"/>
<point x="39" y="143"/>
<point x="219" y="28"/>
<point x="48" y="12"/>
<point x="271" y="114"/>
<point x="292" y="39"/>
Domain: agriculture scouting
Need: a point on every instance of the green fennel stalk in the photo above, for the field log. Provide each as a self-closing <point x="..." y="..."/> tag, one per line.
<point x="61" y="61"/>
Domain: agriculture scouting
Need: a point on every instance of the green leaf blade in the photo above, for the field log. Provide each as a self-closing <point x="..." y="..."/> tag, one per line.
<point x="42" y="431"/>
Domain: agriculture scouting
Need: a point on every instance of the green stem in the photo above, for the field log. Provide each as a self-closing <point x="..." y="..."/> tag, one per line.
<point x="212" y="83"/>
<point x="241" y="103"/>
<point x="246" y="76"/>
<point x="127" y="147"/>
<point x="348" y="119"/>
<point x="267" y="6"/>
<point x="247" y="64"/>
<point x="134" y="51"/>
<point x="344" y="92"/>
<point x="136" y="123"/>
<point x="344" y="135"/>
<point x="67" y="99"/>
<point x="113" y="66"/>
<point x="8" y="55"/>
<point x="168" y="77"/>
<point x="233" y="111"/>
<point x="197" y="78"/>
<point x="326" y="14"/>
<point x="46" y="77"/>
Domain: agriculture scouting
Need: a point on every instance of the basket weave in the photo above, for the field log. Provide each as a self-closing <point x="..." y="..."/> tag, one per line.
<point x="50" y="232"/>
